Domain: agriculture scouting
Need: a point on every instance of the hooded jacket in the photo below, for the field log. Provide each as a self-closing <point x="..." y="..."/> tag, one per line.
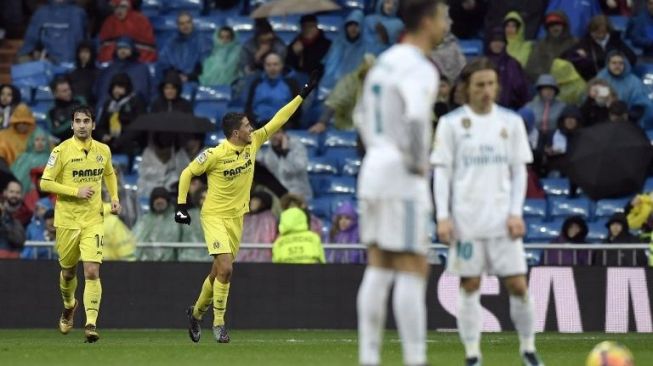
<point x="12" y="143"/>
<point x="562" y="257"/>
<point x="259" y="226"/>
<point x="31" y="159"/>
<point x="154" y="227"/>
<point x="221" y="66"/>
<point x="343" y="97"/>
<point x="449" y="58"/>
<point x="83" y="77"/>
<point x="36" y="231"/>
<point x="641" y="32"/>
<point x="349" y="236"/>
<point x="184" y="53"/>
<point x="613" y="258"/>
<point x="289" y="169"/>
<point x="572" y="85"/>
<point x="589" y="66"/>
<point x="60" y="117"/>
<point x="580" y="12"/>
<point x="548" y="48"/>
<point x="518" y="47"/>
<point x="128" y="108"/>
<point x="345" y="54"/>
<point x="296" y="243"/>
<point x="58" y="27"/>
<point x="531" y="11"/>
<point x="394" y="27"/>
<point x="311" y="56"/>
<point x="136" y="26"/>
<point x="7" y="110"/>
<point x="514" y="92"/>
<point x="161" y="104"/>
<point x="267" y="96"/>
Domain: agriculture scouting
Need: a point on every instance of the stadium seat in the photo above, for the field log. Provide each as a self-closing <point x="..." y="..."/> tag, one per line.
<point x="188" y="91"/>
<point x="542" y="231"/>
<point x="130" y="180"/>
<point x="348" y="5"/>
<point x="43" y="93"/>
<point x="597" y="232"/>
<point x="209" y="24"/>
<point x="240" y="23"/>
<point x="151" y="67"/>
<point x="350" y="166"/>
<point x="120" y="161"/>
<point x="137" y="164"/>
<point x="213" y="110"/>
<point x="643" y="68"/>
<point x="321" y="207"/>
<point x="212" y="138"/>
<point x="340" y="139"/>
<point x="41" y="109"/>
<point x="173" y="6"/>
<point x="564" y="207"/>
<point x="144" y="202"/>
<point x="535" y="208"/>
<point x="336" y="186"/>
<point x="329" y="23"/>
<point x="471" y="47"/>
<point x="619" y="22"/>
<point x="213" y="93"/>
<point x="555" y="186"/>
<point x="151" y="8"/>
<point x="212" y="101"/>
<point x="340" y="155"/>
<point x="322" y="165"/>
<point x="533" y="257"/>
<point x="606" y="208"/>
<point x="25" y="94"/>
<point x="318" y="184"/>
<point x="310" y="141"/>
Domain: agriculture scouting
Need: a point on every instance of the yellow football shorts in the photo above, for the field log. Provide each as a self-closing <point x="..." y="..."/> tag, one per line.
<point x="75" y="244"/>
<point x="222" y="235"/>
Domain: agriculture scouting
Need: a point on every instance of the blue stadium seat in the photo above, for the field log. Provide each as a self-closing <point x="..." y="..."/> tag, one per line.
<point x="209" y="24"/>
<point x="329" y="23"/>
<point x="130" y="179"/>
<point x="535" y="208"/>
<point x="597" y="232"/>
<point x="648" y="185"/>
<point x="341" y="154"/>
<point x="43" y="93"/>
<point x="318" y="184"/>
<point x="349" y="166"/>
<point x="555" y="186"/>
<point x="188" y="90"/>
<point x="25" y="94"/>
<point x="607" y="207"/>
<point x="151" y="67"/>
<point x="41" y="109"/>
<point x="137" y="164"/>
<point x="163" y="23"/>
<point x="240" y="23"/>
<point x="121" y="161"/>
<point x="151" y="8"/>
<point x="192" y="6"/>
<point x="352" y="4"/>
<point x="619" y="22"/>
<point x="321" y="207"/>
<point x="322" y="165"/>
<point x="471" y="47"/>
<point x="144" y="202"/>
<point x="340" y="139"/>
<point x="564" y="207"/>
<point x="310" y="141"/>
<point x="212" y="139"/>
<point x="340" y="186"/>
<point x="643" y="68"/>
<point x="213" y="93"/>
<point x="542" y="231"/>
<point x="213" y="110"/>
<point x="533" y="257"/>
<point x="212" y="101"/>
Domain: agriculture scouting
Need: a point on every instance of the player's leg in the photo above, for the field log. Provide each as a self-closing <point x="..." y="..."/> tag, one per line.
<point x="91" y="254"/>
<point x="67" y="248"/>
<point x="371" y="304"/>
<point x="469" y="318"/>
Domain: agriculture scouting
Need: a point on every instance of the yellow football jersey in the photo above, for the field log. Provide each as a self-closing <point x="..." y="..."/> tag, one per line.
<point x="75" y="165"/>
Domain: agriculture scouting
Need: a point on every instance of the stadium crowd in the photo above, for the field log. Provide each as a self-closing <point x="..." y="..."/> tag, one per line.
<point x="563" y="66"/>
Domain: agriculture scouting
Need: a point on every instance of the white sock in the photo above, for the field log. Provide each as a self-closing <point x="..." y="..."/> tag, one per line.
<point x="521" y="312"/>
<point x="469" y="322"/>
<point x="409" y="305"/>
<point x="372" y="302"/>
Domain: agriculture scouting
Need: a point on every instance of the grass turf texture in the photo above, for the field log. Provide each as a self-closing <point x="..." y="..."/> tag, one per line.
<point x="283" y="347"/>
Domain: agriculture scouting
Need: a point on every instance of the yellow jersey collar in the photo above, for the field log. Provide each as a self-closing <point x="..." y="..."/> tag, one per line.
<point x="81" y="145"/>
<point x="233" y="147"/>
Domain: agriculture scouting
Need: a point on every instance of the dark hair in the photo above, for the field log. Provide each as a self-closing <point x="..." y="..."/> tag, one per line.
<point x="598" y="22"/>
<point x="228" y="29"/>
<point x="413" y="11"/>
<point x="262" y="26"/>
<point x="231" y="122"/>
<point x="477" y="64"/>
<point x="49" y="214"/>
<point x="83" y="109"/>
<point x="58" y="81"/>
<point x="308" y="18"/>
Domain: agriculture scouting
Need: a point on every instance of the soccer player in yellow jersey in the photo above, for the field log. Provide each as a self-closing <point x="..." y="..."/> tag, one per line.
<point x="230" y="170"/>
<point x="74" y="172"/>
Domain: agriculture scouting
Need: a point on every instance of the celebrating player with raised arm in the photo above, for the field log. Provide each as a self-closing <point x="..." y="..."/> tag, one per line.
<point x="230" y="171"/>
<point x="394" y="120"/>
<point x="74" y="172"/>
<point x="480" y="156"/>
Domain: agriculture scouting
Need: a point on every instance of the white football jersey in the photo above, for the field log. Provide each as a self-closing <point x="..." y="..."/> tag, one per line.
<point x="400" y="88"/>
<point x="480" y="150"/>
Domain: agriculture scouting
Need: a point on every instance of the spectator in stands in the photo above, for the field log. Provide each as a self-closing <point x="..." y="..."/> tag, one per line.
<point x="448" y="57"/>
<point x="193" y="233"/>
<point x="579" y="12"/>
<point x="14" y="204"/>
<point x="340" y="104"/>
<point x="154" y="227"/>
<point x="118" y="242"/>
<point x="296" y="243"/>
<point x="287" y="159"/>
<point x="641" y="30"/>
<point x="344" y="230"/>
<point x="59" y="26"/>
<point x="60" y="117"/>
<point x="589" y="54"/>
<point x="629" y="88"/>
<point x="185" y="51"/>
<point x="36" y="155"/>
<point x="263" y="42"/>
<point x="306" y="52"/>
<point x="161" y="165"/>
<point x="514" y="85"/>
<point x="572" y="85"/>
<point x="569" y="123"/>
<point x="618" y="112"/>
<point x="558" y="39"/>
<point x="119" y="111"/>
<point x="130" y="23"/>
<point x="271" y="91"/>
<point x="13" y="140"/>
<point x="293" y="200"/>
<point x="617" y="7"/>
<point x="221" y="66"/>
<point x="467" y="17"/>
<point x="39" y="230"/>
<point x="574" y="231"/>
<point x="170" y="95"/>
<point x="12" y="235"/>
<point x="86" y="72"/>
<point x="599" y="97"/>
<point x="546" y="108"/>
<point x="383" y="28"/>
<point x="443" y="102"/>
<point x="518" y="47"/>
<point x="618" y="233"/>
<point x="532" y="11"/>
<point x="9" y="98"/>
<point x="125" y="61"/>
<point x="259" y="227"/>
<point x="35" y="194"/>
<point x="346" y="52"/>
<point x="639" y="211"/>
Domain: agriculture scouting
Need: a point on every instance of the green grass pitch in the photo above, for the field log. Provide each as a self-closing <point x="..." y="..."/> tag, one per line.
<point x="283" y="347"/>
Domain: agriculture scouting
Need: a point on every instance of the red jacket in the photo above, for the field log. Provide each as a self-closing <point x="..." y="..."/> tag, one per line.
<point x="137" y="27"/>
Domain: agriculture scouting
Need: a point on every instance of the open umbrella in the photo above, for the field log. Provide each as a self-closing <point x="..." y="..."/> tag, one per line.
<point x="610" y="160"/>
<point x="286" y="7"/>
<point x="172" y="122"/>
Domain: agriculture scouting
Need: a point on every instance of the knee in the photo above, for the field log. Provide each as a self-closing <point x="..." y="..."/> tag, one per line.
<point x="224" y="273"/>
<point x="68" y="274"/>
<point x="470" y="285"/>
<point x="92" y="273"/>
<point x="517" y="287"/>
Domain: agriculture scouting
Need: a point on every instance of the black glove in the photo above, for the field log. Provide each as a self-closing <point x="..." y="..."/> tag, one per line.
<point x="312" y="83"/>
<point x="181" y="214"/>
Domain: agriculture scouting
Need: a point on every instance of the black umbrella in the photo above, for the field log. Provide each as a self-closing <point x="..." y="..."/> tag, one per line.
<point x="610" y="160"/>
<point x="172" y="122"/>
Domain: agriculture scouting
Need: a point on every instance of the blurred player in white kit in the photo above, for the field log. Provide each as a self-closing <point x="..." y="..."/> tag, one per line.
<point x="480" y="155"/>
<point x="394" y="118"/>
